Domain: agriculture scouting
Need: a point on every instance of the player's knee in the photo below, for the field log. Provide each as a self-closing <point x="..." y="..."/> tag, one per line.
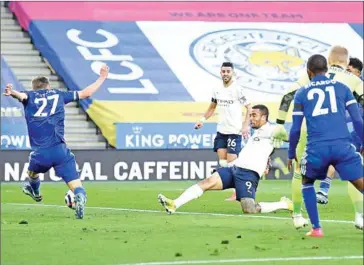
<point x="211" y="182"/>
<point x="223" y="163"/>
<point x="32" y="174"/>
<point x="248" y="211"/>
<point x="248" y="206"/>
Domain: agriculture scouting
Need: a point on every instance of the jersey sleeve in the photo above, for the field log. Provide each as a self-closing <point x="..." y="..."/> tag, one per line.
<point x="358" y="93"/>
<point x="289" y="96"/>
<point x="242" y="98"/>
<point x="25" y="101"/>
<point x="298" y="103"/>
<point x="213" y="99"/>
<point x="69" y="96"/>
<point x="349" y="97"/>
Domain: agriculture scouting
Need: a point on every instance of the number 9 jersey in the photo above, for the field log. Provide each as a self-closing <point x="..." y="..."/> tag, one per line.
<point x="45" y="114"/>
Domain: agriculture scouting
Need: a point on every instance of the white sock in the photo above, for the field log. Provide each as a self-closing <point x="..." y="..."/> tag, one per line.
<point x="268" y="207"/>
<point x="230" y="164"/>
<point x="190" y="194"/>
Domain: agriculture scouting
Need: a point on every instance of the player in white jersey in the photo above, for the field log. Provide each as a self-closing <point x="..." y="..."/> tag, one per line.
<point x="244" y="175"/>
<point x="229" y="99"/>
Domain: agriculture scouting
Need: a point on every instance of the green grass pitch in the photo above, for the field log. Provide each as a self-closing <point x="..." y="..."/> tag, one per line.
<point x="124" y="224"/>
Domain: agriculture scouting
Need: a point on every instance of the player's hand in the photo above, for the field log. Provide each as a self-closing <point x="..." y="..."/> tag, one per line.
<point x="280" y="133"/>
<point x="198" y="125"/>
<point x="277" y="143"/>
<point x="104" y="71"/>
<point x="245" y="132"/>
<point x="290" y="164"/>
<point x="8" y="89"/>
<point x="269" y="166"/>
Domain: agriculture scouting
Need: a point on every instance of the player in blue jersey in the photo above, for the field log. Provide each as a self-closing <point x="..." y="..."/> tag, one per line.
<point x="45" y="114"/>
<point x="323" y="103"/>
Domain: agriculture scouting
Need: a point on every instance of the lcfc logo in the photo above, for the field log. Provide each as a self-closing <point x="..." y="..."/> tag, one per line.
<point x="265" y="60"/>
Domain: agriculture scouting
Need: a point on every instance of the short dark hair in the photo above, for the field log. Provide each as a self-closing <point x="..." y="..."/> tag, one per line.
<point x="317" y="64"/>
<point x="227" y="64"/>
<point x="263" y="109"/>
<point x="40" y="82"/>
<point x="356" y="63"/>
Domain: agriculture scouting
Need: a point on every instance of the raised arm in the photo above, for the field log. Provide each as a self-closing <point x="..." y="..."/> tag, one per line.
<point x="280" y="133"/>
<point x="91" y="89"/>
<point x="15" y="94"/>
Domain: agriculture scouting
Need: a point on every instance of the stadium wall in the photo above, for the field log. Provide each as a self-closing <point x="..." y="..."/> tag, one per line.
<point x="142" y="165"/>
<point x="165" y="57"/>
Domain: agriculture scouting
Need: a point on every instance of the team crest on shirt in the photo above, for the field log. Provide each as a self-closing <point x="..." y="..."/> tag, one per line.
<point x="264" y="60"/>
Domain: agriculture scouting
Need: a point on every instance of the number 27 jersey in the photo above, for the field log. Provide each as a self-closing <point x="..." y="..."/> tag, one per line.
<point x="323" y="103"/>
<point x="44" y="114"/>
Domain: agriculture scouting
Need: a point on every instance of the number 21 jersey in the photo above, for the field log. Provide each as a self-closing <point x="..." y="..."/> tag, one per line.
<point x="323" y="103"/>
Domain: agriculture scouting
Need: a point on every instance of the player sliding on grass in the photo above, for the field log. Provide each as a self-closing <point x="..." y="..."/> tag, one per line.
<point x="44" y="114"/>
<point x="244" y="176"/>
<point x="323" y="103"/>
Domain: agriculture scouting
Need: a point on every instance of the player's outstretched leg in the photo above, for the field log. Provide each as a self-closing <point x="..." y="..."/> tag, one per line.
<point x="266" y="207"/>
<point x="246" y="183"/>
<point x="31" y="187"/>
<point x="322" y="195"/>
<point x="309" y="197"/>
<point x="221" y="179"/>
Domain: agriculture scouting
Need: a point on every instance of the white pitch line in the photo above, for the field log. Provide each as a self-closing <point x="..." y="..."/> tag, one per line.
<point x="243" y="260"/>
<point x="181" y="213"/>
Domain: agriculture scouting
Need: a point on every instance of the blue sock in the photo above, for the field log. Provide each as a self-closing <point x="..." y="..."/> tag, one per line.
<point x="80" y="190"/>
<point x="35" y="184"/>
<point x="309" y="197"/>
<point x="325" y="185"/>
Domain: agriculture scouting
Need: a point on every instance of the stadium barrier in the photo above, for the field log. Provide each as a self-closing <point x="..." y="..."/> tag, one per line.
<point x="177" y="135"/>
<point x="141" y="165"/>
